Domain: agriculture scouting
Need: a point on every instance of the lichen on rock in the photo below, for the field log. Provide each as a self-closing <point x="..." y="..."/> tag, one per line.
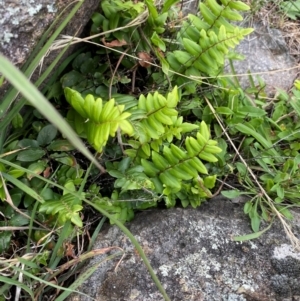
<point x="195" y="257"/>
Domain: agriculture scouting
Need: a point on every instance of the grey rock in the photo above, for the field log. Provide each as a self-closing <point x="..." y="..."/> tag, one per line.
<point x="24" y="22"/>
<point x="195" y="257"/>
<point x="266" y="51"/>
<point x="190" y="7"/>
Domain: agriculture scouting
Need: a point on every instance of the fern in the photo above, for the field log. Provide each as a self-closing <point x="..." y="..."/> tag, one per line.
<point x="158" y="113"/>
<point x="160" y="122"/>
<point x="156" y="164"/>
<point x="170" y="168"/>
<point x="67" y="207"/>
<point x="166" y="157"/>
<point x="96" y="120"/>
<point x="207" y="39"/>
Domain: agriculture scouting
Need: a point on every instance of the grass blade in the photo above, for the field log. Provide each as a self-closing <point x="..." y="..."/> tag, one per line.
<point x="84" y="276"/>
<point x="262" y="140"/>
<point x="30" y="92"/>
<point x="137" y="246"/>
<point x="252" y="235"/>
<point x="296" y="105"/>
<point x="17" y="284"/>
<point x="23" y="187"/>
<point x="11" y="95"/>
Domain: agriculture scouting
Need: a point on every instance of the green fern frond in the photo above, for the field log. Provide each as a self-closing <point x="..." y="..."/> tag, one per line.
<point x="131" y="178"/>
<point x="66" y="208"/>
<point x="176" y="164"/>
<point x="100" y="121"/>
<point x="207" y="39"/>
<point x="158" y="125"/>
<point x="158" y="111"/>
<point x="216" y="15"/>
<point x="208" y="53"/>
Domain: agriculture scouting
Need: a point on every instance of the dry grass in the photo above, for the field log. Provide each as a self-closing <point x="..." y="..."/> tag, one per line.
<point x="291" y="33"/>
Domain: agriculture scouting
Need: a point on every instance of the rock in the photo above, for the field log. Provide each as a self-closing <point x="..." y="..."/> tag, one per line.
<point x="196" y="259"/>
<point x="24" y="22"/>
<point x="189" y="7"/>
<point x="265" y="50"/>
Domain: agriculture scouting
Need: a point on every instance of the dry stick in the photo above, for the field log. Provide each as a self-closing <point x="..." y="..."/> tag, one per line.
<point x="78" y="260"/>
<point x="10" y="202"/>
<point x="83" y="257"/>
<point x="133" y="80"/>
<point x="60" y="43"/>
<point x="291" y="114"/>
<point x="137" y="21"/>
<point x="223" y="182"/>
<point x="11" y="228"/>
<point x="294" y="240"/>
<point x="109" y="96"/>
<point x="114" y="73"/>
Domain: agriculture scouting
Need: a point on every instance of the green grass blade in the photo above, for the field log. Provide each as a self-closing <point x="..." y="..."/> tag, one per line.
<point x="95" y="233"/>
<point x="10" y="115"/>
<point x="60" y="69"/>
<point x="38" y="279"/>
<point x="6" y="286"/>
<point x="8" y="163"/>
<point x="54" y="259"/>
<point x="167" y="5"/>
<point x="30" y="92"/>
<point x="23" y="187"/>
<point x="18" y="106"/>
<point x="296" y="105"/>
<point x="84" y="276"/>
<point x="49" y="182"/>
<point x="120" y="225"/>
<point x="11" y="95"/>
<point x="137" y="246"/>
<point x="45" y="37"/>
<point x="28" y="263"/>
<point x="251" y="235"/>
<point x="18" y="284"/>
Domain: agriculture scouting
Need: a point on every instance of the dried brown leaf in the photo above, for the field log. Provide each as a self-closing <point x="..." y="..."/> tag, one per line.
<point x="145" y="59"/>
<point x="114" y="43"/>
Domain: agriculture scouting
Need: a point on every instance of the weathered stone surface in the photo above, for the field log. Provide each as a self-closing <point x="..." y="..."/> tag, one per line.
<point x="195" y="258"/>
<point x="265" y="50"/>
<point x="24" y="22"/>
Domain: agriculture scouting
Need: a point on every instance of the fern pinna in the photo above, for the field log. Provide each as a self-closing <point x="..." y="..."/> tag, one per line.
<point x="175" y="170"/>
<point x="207" y="38"/>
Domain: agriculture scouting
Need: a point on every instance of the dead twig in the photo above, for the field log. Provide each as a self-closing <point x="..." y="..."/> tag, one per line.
<point x="294" y="240"/>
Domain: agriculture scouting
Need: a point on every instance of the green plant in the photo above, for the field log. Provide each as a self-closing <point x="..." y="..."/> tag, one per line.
<point x="16" y="176"/>
<point x="150" y="145"/>
<point x="96" y="121"/>
<point x="160" y="154"/>
<point x="152" y="172"/>
<point x="265" y="147"/>
<point x="155" y="164"/>
<point x="45" y="137"/>
<point x="291" y="8"/>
